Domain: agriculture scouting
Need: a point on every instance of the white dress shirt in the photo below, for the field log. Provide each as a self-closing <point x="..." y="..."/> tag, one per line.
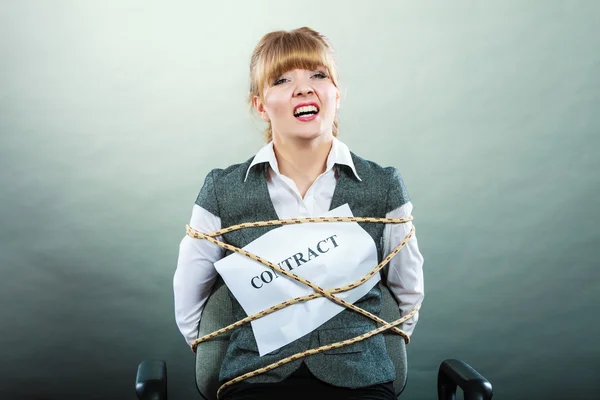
<point x="196" y="274"/>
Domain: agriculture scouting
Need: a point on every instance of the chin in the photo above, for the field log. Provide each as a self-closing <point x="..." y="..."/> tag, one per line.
<point x="309" y="135"/>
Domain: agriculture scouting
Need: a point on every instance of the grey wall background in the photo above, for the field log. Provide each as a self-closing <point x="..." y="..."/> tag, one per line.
<point x="112" y="113"/>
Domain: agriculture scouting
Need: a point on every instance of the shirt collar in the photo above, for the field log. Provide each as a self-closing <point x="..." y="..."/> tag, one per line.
<point x="339" y="154"/>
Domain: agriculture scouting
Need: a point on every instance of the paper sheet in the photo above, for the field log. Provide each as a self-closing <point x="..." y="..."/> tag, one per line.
<point x="329" y="254"/>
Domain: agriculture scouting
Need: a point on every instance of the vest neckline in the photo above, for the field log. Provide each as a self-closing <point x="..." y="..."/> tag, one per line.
<point x="266" y="198"/>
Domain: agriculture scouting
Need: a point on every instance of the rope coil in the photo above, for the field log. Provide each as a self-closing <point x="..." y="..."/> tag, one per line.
<point x="319" y="292"/>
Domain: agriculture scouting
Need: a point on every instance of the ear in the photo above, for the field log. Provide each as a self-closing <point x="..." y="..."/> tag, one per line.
<point x="260" y="108"/>
<point x="337" y="99"/>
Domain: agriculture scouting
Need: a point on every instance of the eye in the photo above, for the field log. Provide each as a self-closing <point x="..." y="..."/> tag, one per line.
<point x="279" y="81"/>
<point x="320" y="75"/>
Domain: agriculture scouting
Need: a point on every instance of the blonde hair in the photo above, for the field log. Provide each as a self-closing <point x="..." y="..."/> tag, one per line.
<point x="280" y="51"/>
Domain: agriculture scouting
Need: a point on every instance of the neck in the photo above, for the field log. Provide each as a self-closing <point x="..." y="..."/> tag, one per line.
<point x="302" y="160"/>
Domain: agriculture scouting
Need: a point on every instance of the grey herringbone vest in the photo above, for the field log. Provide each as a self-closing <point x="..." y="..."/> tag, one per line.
<point x="226" y="195"/>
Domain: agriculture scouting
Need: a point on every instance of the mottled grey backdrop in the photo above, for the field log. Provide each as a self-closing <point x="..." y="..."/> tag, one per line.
<point x="112" y="112"/>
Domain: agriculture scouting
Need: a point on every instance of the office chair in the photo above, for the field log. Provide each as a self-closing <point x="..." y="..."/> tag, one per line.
<point x="151" y="380"/>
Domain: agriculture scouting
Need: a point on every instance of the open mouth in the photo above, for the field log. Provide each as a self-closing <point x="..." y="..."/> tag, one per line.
<point x="306" y="112"/>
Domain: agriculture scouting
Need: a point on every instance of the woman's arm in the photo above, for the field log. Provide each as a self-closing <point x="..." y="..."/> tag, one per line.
<point x="405" y="271"/>
<point x="195" y="273"/>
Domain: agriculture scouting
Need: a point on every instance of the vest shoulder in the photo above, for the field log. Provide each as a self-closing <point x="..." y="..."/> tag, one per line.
<point x="233" y="172"/>
<point x="371" y="167"/>
<point x="216" y="180"/>
<point x="380" y="176"/>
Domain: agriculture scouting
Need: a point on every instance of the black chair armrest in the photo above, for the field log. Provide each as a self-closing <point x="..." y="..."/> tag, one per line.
<point x="151" y="380"/>
<point x="456" y="372"/>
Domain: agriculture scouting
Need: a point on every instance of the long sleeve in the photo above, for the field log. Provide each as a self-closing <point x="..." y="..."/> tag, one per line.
<point x="195" y="274"/>
<point x="405" y="270"/>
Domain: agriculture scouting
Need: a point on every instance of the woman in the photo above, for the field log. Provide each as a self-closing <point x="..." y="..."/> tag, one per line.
<point x="302" y="171"/>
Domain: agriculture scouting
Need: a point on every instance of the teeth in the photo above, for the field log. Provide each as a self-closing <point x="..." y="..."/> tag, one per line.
<point x="306" y="110"/>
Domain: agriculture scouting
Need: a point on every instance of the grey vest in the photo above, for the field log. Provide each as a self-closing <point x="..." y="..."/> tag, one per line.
<point x="226" y="195"/>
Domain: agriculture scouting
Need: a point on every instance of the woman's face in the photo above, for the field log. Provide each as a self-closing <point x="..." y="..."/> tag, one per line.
<point x="300" y="104"/>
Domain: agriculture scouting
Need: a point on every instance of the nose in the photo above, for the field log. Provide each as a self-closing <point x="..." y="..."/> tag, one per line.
<point x="304" y="91"/>
<point x="303" y="88"/>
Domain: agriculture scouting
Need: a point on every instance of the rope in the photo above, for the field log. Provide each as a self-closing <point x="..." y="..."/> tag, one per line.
<point x="319" y="292"/>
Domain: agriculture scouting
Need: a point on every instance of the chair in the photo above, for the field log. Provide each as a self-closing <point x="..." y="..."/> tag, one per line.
<point x="151" y="380"/>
